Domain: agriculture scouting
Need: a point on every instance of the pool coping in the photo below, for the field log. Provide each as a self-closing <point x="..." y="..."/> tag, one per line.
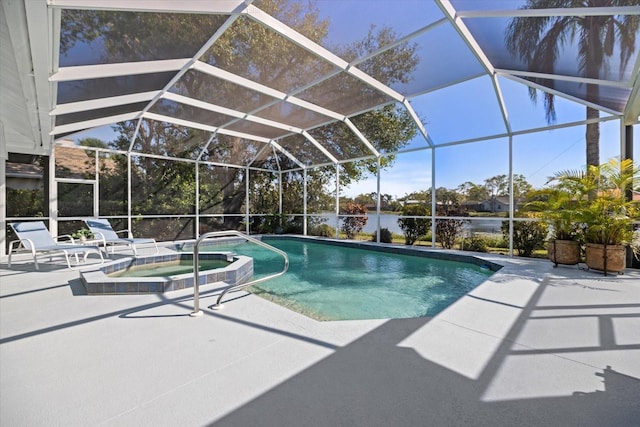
<point x="435" y="253"/>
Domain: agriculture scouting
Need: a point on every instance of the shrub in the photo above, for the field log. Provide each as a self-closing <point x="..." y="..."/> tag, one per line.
<point x="385" y="236"/>
<point x="448" y="230"/>
<point x="527" y="236"/>
<point x="414" y="228"/>
<point x="322" y="230"/>
<point x="495" y="241"/>
<point x="274" y="223"/>
<point x="352" y="225"/>
<point x="26" y="203"/>
<point x="475" y="244"/>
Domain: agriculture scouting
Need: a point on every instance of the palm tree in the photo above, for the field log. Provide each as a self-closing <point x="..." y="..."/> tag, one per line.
<point x="540" y="41"/>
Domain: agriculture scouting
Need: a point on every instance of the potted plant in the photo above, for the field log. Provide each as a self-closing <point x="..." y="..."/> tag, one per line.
<point x="83" y="235"/>
<point x="609" y="216"/>
<point x="559" y="206"/>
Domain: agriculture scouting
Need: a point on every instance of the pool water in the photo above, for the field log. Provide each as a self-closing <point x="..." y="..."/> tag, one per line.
<point x="173" y="268"/>
<point x="329" y="282"/>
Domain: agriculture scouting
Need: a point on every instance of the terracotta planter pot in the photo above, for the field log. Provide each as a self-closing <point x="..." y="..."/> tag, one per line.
<point x="616" y="257"/>
<point x="563" y="252"/>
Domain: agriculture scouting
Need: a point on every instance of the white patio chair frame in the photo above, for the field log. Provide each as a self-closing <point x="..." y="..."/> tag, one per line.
<point x="45" y="244"/>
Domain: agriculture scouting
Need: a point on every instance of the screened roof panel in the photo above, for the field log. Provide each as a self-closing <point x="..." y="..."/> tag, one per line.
<point x="82" y="90"/>
<point x="614" y="98"/>
<point x="170" y="108"/>
<point x="346" y="25"/>
<point x="64" y="119"/>
<point x="232" y="150"/>
<point x="344" y="94"/>
<point x="494" y="37"/>
<point x="487" y="4"/>
<point x="291" y="114"/>
<point x="258" y="129"/>
<point x="168" y="139"/>
<point x="252" y="51"/>
<point x="303" y="149"/>
<point x="267" y="159"/>
<point x="295" y="63"/>
<point x="338" y="139"/>
<point x="131" y="36"/>
<point x="213" y="90"/>
<point x="431" y="70"/>
<point x="379" y="128"/>
<point x="526" y="114"/>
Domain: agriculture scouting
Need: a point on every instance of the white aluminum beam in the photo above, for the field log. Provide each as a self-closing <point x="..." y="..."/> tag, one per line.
<point x="77" y="126"/>
<point x="464" y="32"/>
<point x="83" y="72"/>
<point x="503" y="105"/>
<point x="418" y="122"/>
<point x="288" y="154"/>
<point x="183" y="6"/>
<point x="95" y="104"/>
<point x="206" y="146"/>
<point x="39" y="22"/>
<point x="541" y="13"/>
<point x="259" y="153"/>
<point x="632" y="109"/>
<point x="561" y="94"/>
<point x="362" y="138"/>
<point x="320" y="147"/>
<point x="14" y="15"/>
<point x="581" y="80"/>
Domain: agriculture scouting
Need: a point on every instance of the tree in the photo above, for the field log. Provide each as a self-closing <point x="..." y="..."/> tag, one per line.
<point x="423" y="197"/>
<point x="521" y="187"/>
<point x="93" y="142"/>
<point x="447" y="199"/>
<point x="473" y="192"/>
<point x="367" y="199"/>
<point x="540" y="41"/>
<point x="355" y="222"/>
<point x="497" y="185"/>
<point x="414" y="228"/>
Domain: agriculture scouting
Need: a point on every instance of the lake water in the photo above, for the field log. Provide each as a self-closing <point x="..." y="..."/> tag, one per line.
<point x="390" y="221"/>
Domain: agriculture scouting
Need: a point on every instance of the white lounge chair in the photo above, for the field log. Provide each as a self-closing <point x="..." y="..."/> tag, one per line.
<point x="35" y="237"/>
<point x="103" y="232"/>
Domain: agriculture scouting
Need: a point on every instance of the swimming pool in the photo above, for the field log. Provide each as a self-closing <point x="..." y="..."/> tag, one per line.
<point x="338" y="282"/>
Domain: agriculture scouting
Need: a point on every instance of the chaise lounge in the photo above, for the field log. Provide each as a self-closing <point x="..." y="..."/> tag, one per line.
<point x="106" y="235"/>
<point x="35" y="237"/>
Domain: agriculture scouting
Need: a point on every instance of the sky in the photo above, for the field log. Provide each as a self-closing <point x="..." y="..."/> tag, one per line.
<point x="535" y="155"/>
<point x="459" y="112"/>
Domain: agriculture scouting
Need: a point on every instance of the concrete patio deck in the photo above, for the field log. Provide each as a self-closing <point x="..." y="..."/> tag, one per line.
<point x="532" y="346"/>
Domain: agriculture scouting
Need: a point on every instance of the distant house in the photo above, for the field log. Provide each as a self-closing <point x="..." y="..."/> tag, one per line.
<point x="495" y="204"/>
<point x="70" y="163"/>
<point x="23" y="176"/>
<point x="471" y="206"/>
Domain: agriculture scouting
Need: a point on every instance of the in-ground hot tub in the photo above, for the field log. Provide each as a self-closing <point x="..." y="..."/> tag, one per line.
<point x="108" y="279"/>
